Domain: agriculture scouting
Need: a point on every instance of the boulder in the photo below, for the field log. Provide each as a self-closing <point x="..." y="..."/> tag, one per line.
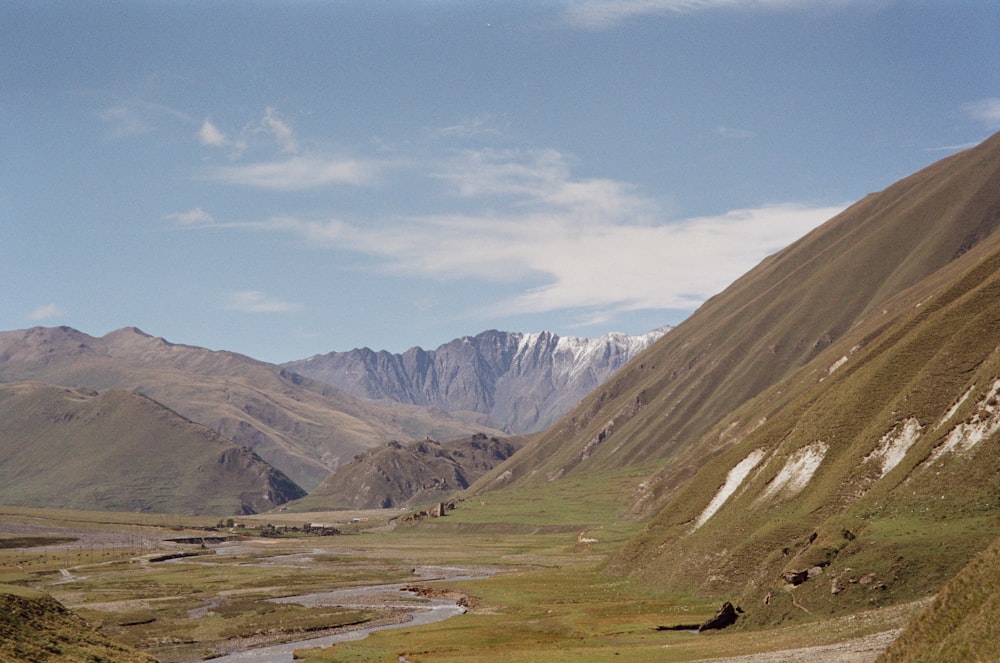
<point x="724" y="616"/>
<point x="795" y="577"/>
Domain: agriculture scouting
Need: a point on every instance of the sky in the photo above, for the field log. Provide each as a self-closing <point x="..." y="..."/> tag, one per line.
<point x="283" y="179"/>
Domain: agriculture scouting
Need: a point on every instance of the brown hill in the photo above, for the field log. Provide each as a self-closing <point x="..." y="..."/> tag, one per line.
<point x="121" y="451"/>
<point x="824" y="435"/>
<point x="302" y="427"/>
<point x="778" y="317"/>
<point x="411" y="474"/>
<point x="867" y="477"/>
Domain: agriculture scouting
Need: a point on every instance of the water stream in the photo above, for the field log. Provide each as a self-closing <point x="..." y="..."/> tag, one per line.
<point x="421" y="611"/>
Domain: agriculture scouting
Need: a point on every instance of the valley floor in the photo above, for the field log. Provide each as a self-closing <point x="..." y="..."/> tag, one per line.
<point x="132" y="577"/>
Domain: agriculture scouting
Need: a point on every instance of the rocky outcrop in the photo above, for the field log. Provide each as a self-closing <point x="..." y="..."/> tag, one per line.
<point x="724" y="616"/>
<point x="422" y="472"/>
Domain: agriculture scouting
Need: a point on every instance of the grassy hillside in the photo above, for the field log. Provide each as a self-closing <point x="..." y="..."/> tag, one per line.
<point x="960" y="625"/>
<point x="874" y="466"/>
<point x="302" y="427"/>
<point x="119" y="450"/>
<point x="35" y="627"/>
<point x="777" y="318"/>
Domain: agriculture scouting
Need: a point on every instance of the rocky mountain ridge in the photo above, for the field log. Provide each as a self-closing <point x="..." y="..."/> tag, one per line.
<point x="521" y="381"/>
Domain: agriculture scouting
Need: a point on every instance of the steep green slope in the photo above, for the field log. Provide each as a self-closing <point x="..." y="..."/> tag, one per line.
<point x="867" y="477"/>
<point x="772" y="321"/>
<point x="35" y="627"/>
<point x="121" y="451"/>
<point x="961" y="624"/>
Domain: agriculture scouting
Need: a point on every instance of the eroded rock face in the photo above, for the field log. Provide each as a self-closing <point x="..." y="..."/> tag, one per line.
<point x="724" y="616"/>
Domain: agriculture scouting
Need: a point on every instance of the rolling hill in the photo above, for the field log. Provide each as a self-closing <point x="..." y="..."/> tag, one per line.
<point x="302" y="427"/>
<point x="120" y="451"/>
<point x="522" y="382"/>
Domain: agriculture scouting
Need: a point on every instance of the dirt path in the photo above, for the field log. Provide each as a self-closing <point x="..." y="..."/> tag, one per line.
<point x="858" y="650"/>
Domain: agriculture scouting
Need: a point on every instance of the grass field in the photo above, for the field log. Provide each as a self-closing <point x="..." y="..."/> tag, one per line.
<point x="549" y="600"/>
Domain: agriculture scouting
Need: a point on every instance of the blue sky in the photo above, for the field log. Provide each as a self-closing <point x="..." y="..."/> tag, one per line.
<point x="288" y="178"/>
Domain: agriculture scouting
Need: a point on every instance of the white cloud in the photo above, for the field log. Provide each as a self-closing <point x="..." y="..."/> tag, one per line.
<point x="605" y="14"/>
<point x="270" y="125"/>
<point x="594" y="244"/>
<point x="480" y="125"/>
<point x="210" y="135"/>
<point x="540" y="179"/>
<point x="45" y="312"/>
<point x="281" y="131"/>
<point x="733" y="132"/>
<point x="254" y="301"/>
<point x="135" y="117"/>
<point x="196" y="216"/>
<point x="124" y="121"/>
<point x="297" y="173"/>
<point x="986" y="111"/>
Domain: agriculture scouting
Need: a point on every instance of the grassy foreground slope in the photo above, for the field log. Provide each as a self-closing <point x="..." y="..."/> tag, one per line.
<point x="35" y="627"/>
<point x="961" y="624"/>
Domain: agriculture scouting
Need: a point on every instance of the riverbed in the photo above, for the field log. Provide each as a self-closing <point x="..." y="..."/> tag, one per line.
<point x="419" y="610"/>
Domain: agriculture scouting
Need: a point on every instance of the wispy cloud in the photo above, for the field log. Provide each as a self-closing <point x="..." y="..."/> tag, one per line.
<point x="131" y="117"/>
<point x="540" y="179"/>
<point x="297" y="173"/>
<point x="594" y="245"/>
<point x="271" y="126"/>
<point x="210" y="135"/>
<point x="606" y="14"/>
<point x="194" y="217"/>
<point x="46" y="312"/>
<point x="254" y="301"/>
<point x="124" y="121"/>
<point x="281" y="132"/>
<point x="480" y="125"/>
<point x="734" y="133"/>
<point x="986" y="111"/>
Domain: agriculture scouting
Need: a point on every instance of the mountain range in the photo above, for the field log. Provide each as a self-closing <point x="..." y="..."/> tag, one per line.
<point x="289" y="431"/>
<point x="302" y="427"/>
<point x="522" y="382"/>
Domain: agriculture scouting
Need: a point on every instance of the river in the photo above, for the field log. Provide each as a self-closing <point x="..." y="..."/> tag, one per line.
<point x="421" y="610"/>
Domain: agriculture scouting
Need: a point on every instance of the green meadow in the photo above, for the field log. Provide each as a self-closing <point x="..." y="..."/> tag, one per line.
<point x="550" y="597"/>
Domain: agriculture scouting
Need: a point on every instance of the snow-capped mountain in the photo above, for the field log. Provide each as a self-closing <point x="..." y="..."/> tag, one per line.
<point x="522" y="381"/>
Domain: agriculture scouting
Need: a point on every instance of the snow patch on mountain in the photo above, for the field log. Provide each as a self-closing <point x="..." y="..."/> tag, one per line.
<point x="983" y="423"/>
<point x="733" y="481"/>
<point x="893" y="446"/>
<point x="797" y="472"/>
